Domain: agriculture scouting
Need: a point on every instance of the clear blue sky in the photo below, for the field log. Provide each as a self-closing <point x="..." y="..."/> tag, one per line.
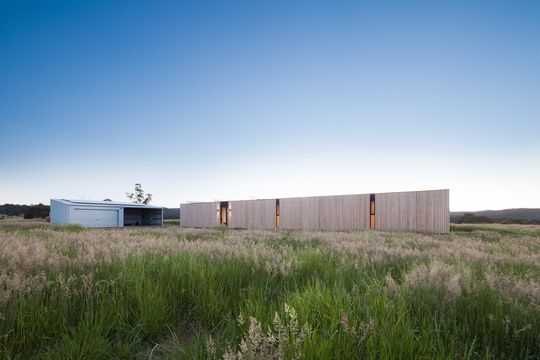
<point x="227" y="100"/>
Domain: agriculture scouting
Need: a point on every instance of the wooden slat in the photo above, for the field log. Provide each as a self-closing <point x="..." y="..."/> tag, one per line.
<point x="422" y="211"/>
<point x="300" y="213"/>
<point x="238" y="213"/>
<point x="291" y="213"/>
<point x="200" y="215"/>
<point x="253" y="214"/>
<point x="344" y="212"/>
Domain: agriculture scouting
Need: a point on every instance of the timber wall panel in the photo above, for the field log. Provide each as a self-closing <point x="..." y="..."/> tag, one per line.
<point x="300" y="213"/>
<point x="291" y="213"/>
<point x="423" y="211"/>
<point x="238" y="214"/>
<point x="199" y="215"/>
<point x="263" y="214"/>
<point x="253" y="214"/>
<point x="344" y="212"/>
<point x="311" y="214"/>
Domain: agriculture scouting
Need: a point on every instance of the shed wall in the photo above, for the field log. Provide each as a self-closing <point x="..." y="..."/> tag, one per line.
<point x="59" y="213"/>
<point x="202" y="215"/>
<point x="103" y="214"/>
<point x="95" y="216"/>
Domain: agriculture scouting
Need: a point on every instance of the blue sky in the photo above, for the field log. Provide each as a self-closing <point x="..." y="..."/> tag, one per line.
<point x="227" y="100"/>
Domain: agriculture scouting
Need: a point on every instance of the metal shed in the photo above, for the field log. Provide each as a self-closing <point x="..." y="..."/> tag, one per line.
<point x="420" y="211"/>
<point x="104" y="213"/>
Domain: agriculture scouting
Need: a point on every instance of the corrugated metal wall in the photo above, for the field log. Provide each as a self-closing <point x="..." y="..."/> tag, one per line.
<point x="200" y="215"/>
<point x="424" y="211"/>
<point x="253" y="214"/>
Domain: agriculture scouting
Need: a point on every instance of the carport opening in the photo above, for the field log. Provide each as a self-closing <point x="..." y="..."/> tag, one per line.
<point x="224" y="214"/>
<point x="142" y="217"/>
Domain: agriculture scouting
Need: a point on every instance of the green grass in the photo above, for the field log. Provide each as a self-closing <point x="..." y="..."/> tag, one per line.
<point x="152" y="294"/>
<point x="495" y="229"/>
<point x="171" y="223"/>
<point x="22" y="226"/>
<point x="165" y="305"/>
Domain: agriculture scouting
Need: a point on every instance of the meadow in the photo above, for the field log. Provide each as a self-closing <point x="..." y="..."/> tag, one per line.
<point x="170" y="293"/>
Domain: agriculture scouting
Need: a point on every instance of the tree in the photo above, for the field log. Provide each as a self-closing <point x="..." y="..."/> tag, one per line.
<point x="37" y="211"/>
<point x="139" y="196"/>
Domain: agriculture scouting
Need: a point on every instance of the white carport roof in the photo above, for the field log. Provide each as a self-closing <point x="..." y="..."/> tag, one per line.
<point x="107" y="203"/>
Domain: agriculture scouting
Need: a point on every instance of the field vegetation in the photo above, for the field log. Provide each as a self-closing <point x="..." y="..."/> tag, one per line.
<point x="166" y="293"/>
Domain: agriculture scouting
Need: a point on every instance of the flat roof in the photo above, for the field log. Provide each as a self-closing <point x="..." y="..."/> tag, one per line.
<point x="107" y="203"/>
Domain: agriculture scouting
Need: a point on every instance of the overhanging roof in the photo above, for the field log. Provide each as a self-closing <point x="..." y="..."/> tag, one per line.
<point x="107" y="203"/>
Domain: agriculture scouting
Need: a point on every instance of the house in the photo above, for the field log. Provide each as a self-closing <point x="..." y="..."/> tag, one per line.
<point x="416" y="211"/>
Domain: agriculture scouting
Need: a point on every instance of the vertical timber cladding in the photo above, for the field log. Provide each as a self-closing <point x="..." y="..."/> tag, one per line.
<point x="253" y="214"/>
<point x="345" y="212"/>
<point x="424" y="211"/>
<point x="338" y="213"/>
<point x="300" y="213"/>
<point x="200" y="215"/>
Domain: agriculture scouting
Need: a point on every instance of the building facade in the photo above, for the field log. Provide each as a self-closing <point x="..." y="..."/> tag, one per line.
<point x="104" y="213"/>
<point x="415" y="211"/>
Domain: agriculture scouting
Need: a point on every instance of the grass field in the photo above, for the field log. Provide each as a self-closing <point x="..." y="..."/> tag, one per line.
<point x="71" y="293"/>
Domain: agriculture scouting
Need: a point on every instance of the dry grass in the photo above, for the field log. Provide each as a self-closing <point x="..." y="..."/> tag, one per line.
<point x="70" y="262"/>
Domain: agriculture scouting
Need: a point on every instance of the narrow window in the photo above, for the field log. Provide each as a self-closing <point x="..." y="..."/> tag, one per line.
<point x="278" y="223"/>
<point x="224" y="206"/>
<point x="372" y="211"/>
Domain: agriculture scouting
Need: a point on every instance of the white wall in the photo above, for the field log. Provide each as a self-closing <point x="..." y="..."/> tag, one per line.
<point x="59" y="213"/>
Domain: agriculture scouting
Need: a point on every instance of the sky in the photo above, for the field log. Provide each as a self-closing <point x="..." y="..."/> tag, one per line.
<point x="252" y="99"/>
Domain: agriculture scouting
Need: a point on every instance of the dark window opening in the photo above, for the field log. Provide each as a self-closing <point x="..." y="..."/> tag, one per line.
<point x="142" y="217"/>
<point x="278" y="220"/>
<point x="372" y="211"/>
<point x="224" y="213"/>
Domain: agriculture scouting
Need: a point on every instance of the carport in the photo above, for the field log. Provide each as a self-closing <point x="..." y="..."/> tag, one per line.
<point x="104" y="213"/>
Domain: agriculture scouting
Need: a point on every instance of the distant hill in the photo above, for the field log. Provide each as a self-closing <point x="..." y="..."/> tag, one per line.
<point x="519" y="216"/>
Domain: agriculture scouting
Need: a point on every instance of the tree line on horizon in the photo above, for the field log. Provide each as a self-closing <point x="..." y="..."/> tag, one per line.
<point x="471" y="218"/>
<point x="38" y="211"/>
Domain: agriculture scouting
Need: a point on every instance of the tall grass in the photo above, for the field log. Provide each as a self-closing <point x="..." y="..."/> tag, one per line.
<point x="171" y="293"/>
